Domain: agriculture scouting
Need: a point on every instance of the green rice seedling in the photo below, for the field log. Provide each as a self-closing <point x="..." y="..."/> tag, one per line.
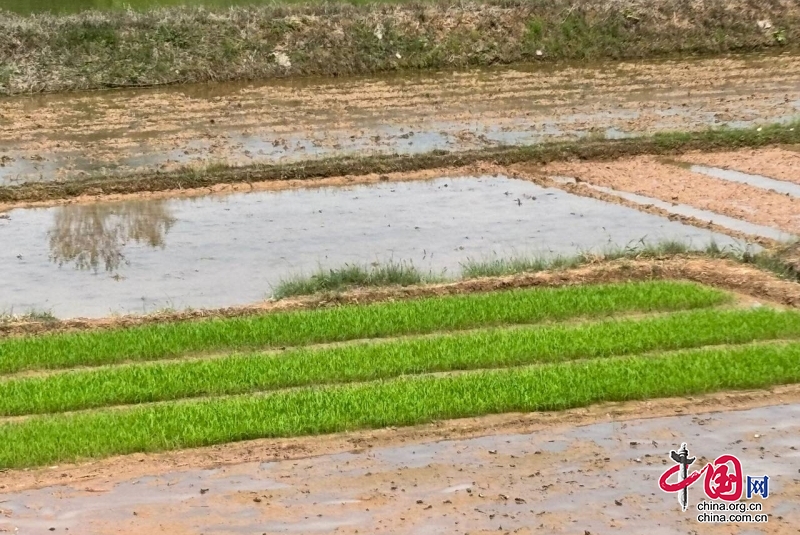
<point x="456" y="312"/>
<point x="406" y="401"/>
<point x="497" y="348"/>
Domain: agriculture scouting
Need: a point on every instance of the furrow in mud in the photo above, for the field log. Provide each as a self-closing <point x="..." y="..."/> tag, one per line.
<point x="778" y="163"/>
<point x="55" y="137"/>
<point x="670" y="183"/>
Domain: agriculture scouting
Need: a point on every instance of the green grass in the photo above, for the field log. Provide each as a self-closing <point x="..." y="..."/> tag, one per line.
<point x="185" y="43"/>
<point x="496" y="267"/>
<point x="364" y="362"/>
<point x="34" y="316"/>
<point x="158" y="341"/>
<point x="26" y="7"/>
<point x="352" y="276"/>
<point x="407" y="401"/>
<point x="782" y="260"/>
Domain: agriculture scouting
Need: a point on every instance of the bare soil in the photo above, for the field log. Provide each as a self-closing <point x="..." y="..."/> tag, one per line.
<point x="533" y="173"/>
<point x="779" y="163"/>
<point x="646" y="175"/>
<point x="591" y="469"/>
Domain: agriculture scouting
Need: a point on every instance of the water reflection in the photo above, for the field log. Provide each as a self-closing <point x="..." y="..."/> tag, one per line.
<point x="92" y="235"/>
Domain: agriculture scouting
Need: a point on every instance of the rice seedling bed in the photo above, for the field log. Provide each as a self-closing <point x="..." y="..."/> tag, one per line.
<point x="404" y="401"/>
<point x="496" y="348"/>
<point x="276" y="330"/>
<point x="459" y="356"/>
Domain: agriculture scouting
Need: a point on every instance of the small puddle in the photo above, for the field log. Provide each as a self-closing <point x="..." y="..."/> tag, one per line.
<point x="779" y="186"/>
<point x="688" y="211"/>
<point x="139" y="256"/>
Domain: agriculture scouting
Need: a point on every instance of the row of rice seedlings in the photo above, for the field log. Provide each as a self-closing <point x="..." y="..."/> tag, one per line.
<point x="405" y="401"/>
<point x="167" y="340"/>
<point x="238" y="374"/>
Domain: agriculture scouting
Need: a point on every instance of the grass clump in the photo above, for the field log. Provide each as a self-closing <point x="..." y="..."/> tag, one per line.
<point x="496" y="267"/>
<point x="783" y="260"/>
<point x="166" y="340"/>
<point x="62" y="438"/>
<point x="36" y="316"/>
<point x="352" y="276"/>
<point x="500" y="348"/>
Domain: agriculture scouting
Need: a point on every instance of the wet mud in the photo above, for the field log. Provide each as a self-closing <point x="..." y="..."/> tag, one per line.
<point x="137" y="256"/>
<point x="777" y="163"/>
<point x="592" y="470"/>
<point x="58" y="137"/>
<point x="674" y="209"/>
<point x="649" y="177"/>
<point x="759" y="181"/>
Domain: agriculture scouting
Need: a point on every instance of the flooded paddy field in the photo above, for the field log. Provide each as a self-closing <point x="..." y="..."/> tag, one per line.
<point x="541" y="398"/>
<point x="140" y="255"/>
<point x="579" y="472"/>
<point x="59" y="137"/>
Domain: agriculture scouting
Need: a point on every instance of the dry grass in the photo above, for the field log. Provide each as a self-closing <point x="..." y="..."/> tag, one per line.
<point x="177" y="45"/>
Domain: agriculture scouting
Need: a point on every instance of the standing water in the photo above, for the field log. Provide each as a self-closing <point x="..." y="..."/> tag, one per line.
<point x="140" y="256"/>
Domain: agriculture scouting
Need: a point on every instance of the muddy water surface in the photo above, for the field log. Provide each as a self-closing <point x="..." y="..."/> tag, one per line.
<point x="51" y="137"/>
<point x="138" y="256"/>
<point x="599" y="478"/>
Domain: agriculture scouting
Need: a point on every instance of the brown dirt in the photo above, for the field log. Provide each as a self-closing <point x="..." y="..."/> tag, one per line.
<point x="262" y="450"/>
<point x="726" y="274"/>
<point x="531" y="172"/>
<point x="770" y="162"/>
<point x="124" y="132"/>
<point x="645" y="175"/>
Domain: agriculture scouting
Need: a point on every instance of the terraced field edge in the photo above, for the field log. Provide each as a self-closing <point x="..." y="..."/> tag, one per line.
<point x="124" y="48"/>
<point x="671" y="143"/>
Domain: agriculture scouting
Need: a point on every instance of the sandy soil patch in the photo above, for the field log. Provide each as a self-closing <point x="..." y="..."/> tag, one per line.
<point x="671" y="183"/>
<point x="779" y="163"/>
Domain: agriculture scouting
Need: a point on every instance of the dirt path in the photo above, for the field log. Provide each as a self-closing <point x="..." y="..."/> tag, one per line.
<point x="62" y="136"/>
<point x="588" y="470"/>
